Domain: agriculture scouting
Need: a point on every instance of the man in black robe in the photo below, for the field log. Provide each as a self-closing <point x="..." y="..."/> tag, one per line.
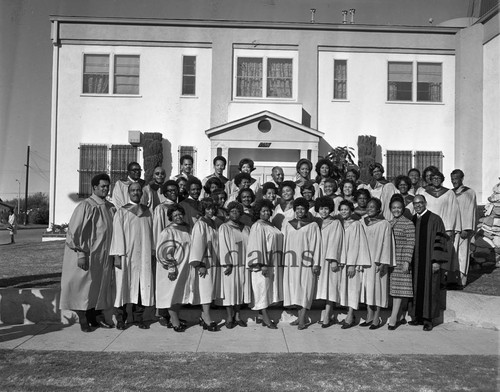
<point x="430" y="253"/>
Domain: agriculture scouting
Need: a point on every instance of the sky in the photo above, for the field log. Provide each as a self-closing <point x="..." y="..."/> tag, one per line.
<point x="26" y="56"/>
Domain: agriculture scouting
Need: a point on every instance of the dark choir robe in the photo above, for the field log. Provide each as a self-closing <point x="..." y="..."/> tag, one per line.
<point x="430" y="247"/>
<point x="193" y="211"/>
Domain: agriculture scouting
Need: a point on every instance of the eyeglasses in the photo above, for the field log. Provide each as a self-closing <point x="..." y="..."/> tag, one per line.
<point x="136" y="170"/>
<point x="159" y="174"/>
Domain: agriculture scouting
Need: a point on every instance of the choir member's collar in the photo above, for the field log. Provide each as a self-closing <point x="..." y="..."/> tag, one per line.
<point x="97" y="199"/>
<point x="136" y="209"/>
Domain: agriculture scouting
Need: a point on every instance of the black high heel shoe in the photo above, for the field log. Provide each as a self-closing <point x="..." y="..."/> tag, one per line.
<point x="349" y="325"/>
<point x="212" y="327"/>
<point x="271" y="325"/>
<point x="180" y="328"/>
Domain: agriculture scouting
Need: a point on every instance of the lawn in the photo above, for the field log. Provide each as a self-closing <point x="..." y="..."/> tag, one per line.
<point x="97" y="371"/>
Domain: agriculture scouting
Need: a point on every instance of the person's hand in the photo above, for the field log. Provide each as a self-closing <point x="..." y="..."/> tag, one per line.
<point x="351" y="271"/>
<point x="451" y="235"/>
<point x="383" y="268"/>
<point x="405" y="268"/>
<point x="265" y="271"/>
<point x="202" y="272"/>
<point x="464" y="234"/>
<point x="172" y="275"/>
<point x="316" y="270"/>
<point x="334" y="266"/>
<point x="435" y="267"/>
<point x="228" y="269"/>
<point x="83" y="262"/>
<point x="118" y="262"/>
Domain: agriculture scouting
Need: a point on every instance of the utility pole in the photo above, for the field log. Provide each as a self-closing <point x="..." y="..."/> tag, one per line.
<point x="26" y="189"/>
<point x="18" y="197"/>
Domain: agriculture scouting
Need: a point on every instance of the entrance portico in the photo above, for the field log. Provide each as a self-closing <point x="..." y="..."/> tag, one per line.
<point x="268" y="139"/>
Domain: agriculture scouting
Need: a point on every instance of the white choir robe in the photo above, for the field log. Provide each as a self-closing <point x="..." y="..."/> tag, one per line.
<point x="332" y="235"/>
<point x="265" y="247"/>
<point x="236" y="288"/>
<point x="302" y="251"/>
<point x="204" y="249"/>
<point x="160" y="219"/>
<point x="133" y="240"/>
<point x="467" y="204"/>
<point x="280" y="217"/>
<point x="381" y="244"/>
<point x="173" y="244"/>
<point x="355" y="252"/>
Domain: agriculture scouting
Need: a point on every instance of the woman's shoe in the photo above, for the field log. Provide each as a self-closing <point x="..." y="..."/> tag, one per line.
<point x="85" y="328"/>
<point x="294" y="323"/>
<point x="328" y="324"/>
<point x="180" y="328"/>
<point x="301" y="327"/>
<point x="271" y="325"/>
<point x="230" y="324"/>
<point x="366" y="323"/>
<point x="373" y="326"/>
<point x="143" y="325"/>
<point x="241" y="323"/>
<point x="392" y="327"/>
<point x="349" y="325"/>
<point x="120" y="325"/>
<point x="213" y="327"/>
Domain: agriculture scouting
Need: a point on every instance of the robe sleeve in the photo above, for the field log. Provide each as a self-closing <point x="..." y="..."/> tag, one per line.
<point x="468" y="210"/>
<point x="451" y="215"/>
<point x="120" y="197"/>
<point x="80" y="229"/>
<point x="118" y="240"/>
<point x="257" y="247"/>
<point x="440" y="246"/>
<point x="355" y="247"/>
<point x="315" y="244"/>
<point x="199" y="244"/>
<point x="334" y="239"/>
<point x="385" y="252"/>
<point x="385" y="197"/>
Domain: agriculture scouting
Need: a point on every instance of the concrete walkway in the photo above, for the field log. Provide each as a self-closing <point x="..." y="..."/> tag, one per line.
<point x="445" y="339"/>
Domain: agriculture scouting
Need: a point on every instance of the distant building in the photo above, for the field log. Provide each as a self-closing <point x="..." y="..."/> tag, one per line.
<point x="274" y="92"/>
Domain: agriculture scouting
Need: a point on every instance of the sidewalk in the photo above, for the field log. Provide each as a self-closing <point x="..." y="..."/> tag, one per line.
<point x="445" y="339"/>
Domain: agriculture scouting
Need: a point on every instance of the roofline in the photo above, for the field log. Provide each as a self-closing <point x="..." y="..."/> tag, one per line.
<point x="265" y="113"/>
<point x="488" y="15"/>
<point x="253" y="24"/>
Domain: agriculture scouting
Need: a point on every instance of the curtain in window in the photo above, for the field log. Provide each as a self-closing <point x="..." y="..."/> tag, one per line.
<point x="427" y="158"/>
<point x="400" y="78"/>
<point x="398" y="162"/>
<point x="279" y="78"/>
<point x="126" y="75"/>
<point x="429" y="78"/>
<point x="96" y="74"/>
<point x="249" y="77"/>
<point x="340" y="79"/>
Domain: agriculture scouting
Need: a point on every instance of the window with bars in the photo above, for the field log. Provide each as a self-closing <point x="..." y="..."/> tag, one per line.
<point x="187" y="150"/>
<point x="93" y="160"/>
<point x="398" y="162"/>
<point x="428" y="158"/>
<point x="121" y="156"/>
<point x="189" y="75"/>
<point x="339" y="79"/>
<point x="111" y="74"/>
<point x="264" y="77"/>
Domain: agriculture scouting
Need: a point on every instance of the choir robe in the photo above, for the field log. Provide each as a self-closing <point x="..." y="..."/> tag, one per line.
<point x="355" y="252"/>
<point x="173" y="244"/>
<point x="160" y="219"/>
<point x="430" y="247"/>
<point x="446" y="207"/>
<point x="375" y="288"/>
<point x="302" y="251"/>
<point x="193" y="211"/>
<point x="204" y="249"/>
<point x="280" y="217"/>
<point x="120" y="192"/>
<point x="133" y="240"/>
<point x="90" y="231"/>
<point x="265" y="247"/>
<point x="152" y="196"/>
<point x="467" y="204"/>
<point x="236" y="288"/>
<point x="332" y="235"/>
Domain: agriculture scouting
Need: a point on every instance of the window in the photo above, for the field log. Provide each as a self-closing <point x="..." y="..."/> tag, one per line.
<point x="126" y="75"/>
<point x="427" y="158"/>
<point x="95" y="74"/>
<point x="429" y="77"/>
<point x="187" y="150"/>
<point x="401" y="80"/>
<point x="277" y="82"/>
<point x="93" y="160"/>
<point x="99" y="79"/>
<point x="339" y="79"/>
<point x="188" y="75"/>
<point x="398" y="162"/>
<point x="121" y="156"/>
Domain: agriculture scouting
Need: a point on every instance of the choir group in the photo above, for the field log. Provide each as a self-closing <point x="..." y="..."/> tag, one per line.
<point x="238" y="242"/>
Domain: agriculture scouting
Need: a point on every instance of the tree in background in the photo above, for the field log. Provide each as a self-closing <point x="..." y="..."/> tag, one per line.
<point x="153" y="153"/>
<point x="367" y="153"/>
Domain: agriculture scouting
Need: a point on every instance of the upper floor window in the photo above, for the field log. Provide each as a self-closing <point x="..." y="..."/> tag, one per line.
<point x="103" y="73"/>
<point x="188" y="75"/>
<point x="264" y="77"/>
<point x="402" y="79"/>
<point x="339" y="79"/>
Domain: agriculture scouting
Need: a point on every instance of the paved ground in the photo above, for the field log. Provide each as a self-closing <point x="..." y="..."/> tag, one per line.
<point x="445" y="339"/>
